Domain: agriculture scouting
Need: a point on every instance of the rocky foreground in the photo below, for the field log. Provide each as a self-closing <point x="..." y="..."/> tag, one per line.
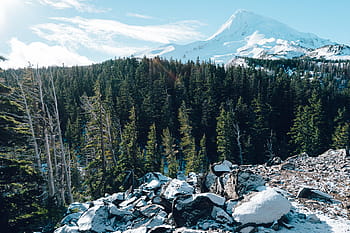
<point x="300" y="194"/>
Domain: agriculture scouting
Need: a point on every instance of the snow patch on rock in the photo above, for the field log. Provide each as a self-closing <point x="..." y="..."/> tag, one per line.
<point x="266" y="206"/>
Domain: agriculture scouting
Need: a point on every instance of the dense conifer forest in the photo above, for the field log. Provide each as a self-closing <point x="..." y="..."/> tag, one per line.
<point x="75" y="133"/>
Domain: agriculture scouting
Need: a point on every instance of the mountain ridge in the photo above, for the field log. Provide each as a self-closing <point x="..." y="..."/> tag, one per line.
<point x="246" y="34"/>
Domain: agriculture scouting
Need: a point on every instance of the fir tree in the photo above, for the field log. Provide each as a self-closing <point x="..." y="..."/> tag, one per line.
<point x="187" y="142"/>
<point x="224" y="132"/>
<point x="306" y="131"/>
<point x="200" y="162"/>
<point x="341" y="135"/>
<point x="170" y="163"/>
<point x="153" y="156"/>
<point x="130" y="164"/>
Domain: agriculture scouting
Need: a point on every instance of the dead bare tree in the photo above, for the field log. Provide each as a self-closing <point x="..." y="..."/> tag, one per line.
<point x="63" y="153"/>
<point x="51" y="184"/>
<point x="269" y="146"/>
<point x="238" y="135"/>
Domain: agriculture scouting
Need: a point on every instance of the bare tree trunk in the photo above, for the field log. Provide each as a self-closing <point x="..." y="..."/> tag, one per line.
<point x="53" y="140"/>
<point x="51" y="183"/>
<point x="64" y="162"/>
<point x="238" y="135"/>
<point x="69" y="163"/>
<point x="62" y="186"/>
<point x="31" y="125"/>
<point x="110" y="138"/>
<point x="269" y="146"/>
<point x="101" y="135"/>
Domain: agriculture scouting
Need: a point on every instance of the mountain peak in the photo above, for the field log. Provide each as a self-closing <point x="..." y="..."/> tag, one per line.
<point x="239" y="15"/>
<point x="246" y="34"/>
<point x="244" y="22"/>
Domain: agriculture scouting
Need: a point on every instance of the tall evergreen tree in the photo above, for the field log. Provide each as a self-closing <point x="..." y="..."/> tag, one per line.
<point x="130" y="163"/>
<point x="341" y="135"/>
<point x="170" y="162"/>
<point x="224" y="132"/>
<point x="153" y="155"/>
<point x="200" y="162"/>
<point x="187" y="141"/>
<point x="306" y="132"/>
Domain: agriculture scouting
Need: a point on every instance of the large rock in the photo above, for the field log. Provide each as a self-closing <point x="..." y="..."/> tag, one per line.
<point x="188" y="210"/>
<point x="262" y="207"/>
<point x="153" y="180"/>
<point x="162" y="229"/>
<point x="156" y="220"/>
<point x="221" y="216"/>
<point x="115" y="198"/>
<point x="114" y="211"/>
<point x="77" y="207"/>
<point x="151" y="210"/>
<point x="67" y="229"/>
<point x="137" y="230"/>
<point x="235" y="184"/>
<point x="311" y="193"/>
<point x="210" y="182"/>
<point x="248" y="181"/>
<point x="71" y="219"/>
<point x="94" y="219"/>
<point x="220" y="168"/>
<point x="176" y="187"/>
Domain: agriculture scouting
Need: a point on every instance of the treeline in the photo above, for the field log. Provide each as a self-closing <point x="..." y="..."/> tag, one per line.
<point x="96" y="129"/>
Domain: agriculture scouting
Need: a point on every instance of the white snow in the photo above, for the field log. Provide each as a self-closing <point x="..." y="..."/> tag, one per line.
<point x="263" y="207"/>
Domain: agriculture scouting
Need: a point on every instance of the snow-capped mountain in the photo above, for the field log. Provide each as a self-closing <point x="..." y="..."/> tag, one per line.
<point x="246" y="34"/>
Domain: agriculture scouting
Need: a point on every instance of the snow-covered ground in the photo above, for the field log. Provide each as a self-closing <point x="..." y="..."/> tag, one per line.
<point x="326" y="224"/>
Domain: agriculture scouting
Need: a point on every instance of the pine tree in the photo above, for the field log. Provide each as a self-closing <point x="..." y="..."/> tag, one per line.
<point x="187" y="141"/>
<point x="306" y="132"/>
<point x="224" y="132"/>
<point x="341" y="135"/>
<point x="130" y="163"/>
<point x="170" y="163"/>
<point x="12" y="130"/>
<point x="153" y="156"/>
<point x="260" y="130"/>
<point x="200" y="162"/>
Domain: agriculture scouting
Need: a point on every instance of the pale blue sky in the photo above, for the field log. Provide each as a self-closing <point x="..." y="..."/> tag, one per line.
<point x="48" y="32"/>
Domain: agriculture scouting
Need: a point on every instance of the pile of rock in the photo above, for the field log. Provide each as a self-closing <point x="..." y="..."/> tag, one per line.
<point x="230" y="198"/>
<point x="320" y="183"/>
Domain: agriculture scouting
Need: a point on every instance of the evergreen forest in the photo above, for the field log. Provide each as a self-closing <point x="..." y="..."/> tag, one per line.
<point x="75" y="133"/>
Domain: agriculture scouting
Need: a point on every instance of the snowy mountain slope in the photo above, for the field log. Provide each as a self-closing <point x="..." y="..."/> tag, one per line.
<point x="250" y="35"/>
<point x="331" y="52"/>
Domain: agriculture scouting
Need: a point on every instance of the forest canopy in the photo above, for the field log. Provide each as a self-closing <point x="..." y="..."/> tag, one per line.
<point x="91" y="130"/>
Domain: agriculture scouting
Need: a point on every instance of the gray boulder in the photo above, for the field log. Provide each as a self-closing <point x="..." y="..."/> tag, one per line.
<point x="235" y="184"/>
<point x="94" y="219"/>
<point x="188" y="210"/>
<point x="176" y="187"/>
<point x="71" y="219"/>
<point x="311" y="193"/>
<point x="77" y="207"/>
<point x="67" y="229"/>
